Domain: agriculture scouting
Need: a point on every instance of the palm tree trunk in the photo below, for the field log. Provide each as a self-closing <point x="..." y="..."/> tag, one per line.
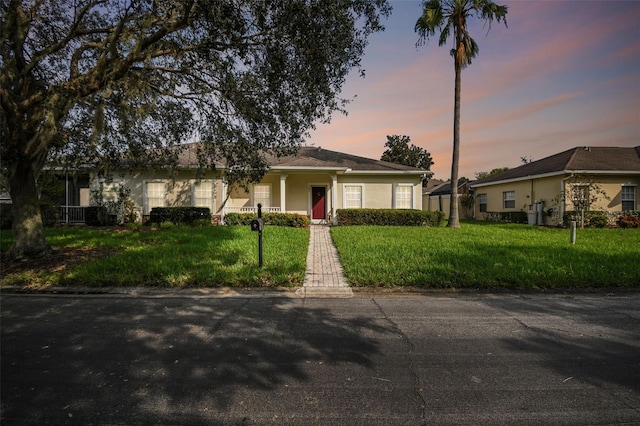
<point x="454" y="221"/>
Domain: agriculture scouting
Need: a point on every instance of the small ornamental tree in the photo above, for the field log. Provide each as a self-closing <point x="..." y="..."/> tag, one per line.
<point x="583" y="191"/>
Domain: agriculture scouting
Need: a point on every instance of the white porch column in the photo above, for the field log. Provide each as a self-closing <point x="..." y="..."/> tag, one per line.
<point x="283" y="191"/>
<point x="334" y="197"/>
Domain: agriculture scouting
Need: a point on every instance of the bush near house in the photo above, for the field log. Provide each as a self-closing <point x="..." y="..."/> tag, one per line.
<point x="98" y="216"/>
<point x="179" y="215"/>
<point x="592" y="218"/>
<point x="506" y="217"/>
<point x="629" y="220"/>
<point x="292" y="220"/>
<point x="389" y="217"/>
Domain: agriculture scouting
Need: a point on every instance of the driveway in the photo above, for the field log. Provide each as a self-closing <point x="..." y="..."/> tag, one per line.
<point x="176" y="358"/>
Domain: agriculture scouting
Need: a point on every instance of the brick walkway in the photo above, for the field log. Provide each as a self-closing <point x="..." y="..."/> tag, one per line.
<point x="324" y="269"/>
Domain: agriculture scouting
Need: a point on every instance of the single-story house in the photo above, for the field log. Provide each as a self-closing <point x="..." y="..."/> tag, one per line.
<point x="314" y="182"/>
<point x="436" y="196"/>
<point x="562" y="181"/>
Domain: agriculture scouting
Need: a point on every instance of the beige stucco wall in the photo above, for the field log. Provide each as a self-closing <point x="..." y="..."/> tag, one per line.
<point x="378" y="190"/>
<point x="550" y="190"/>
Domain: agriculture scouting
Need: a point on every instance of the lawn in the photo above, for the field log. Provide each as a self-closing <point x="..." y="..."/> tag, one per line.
<point x="177" y="256"/>
<point x="488" y="255"/>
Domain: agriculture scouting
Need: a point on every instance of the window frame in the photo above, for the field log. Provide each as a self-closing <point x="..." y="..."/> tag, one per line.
<point x="345" y="199"/>
<point x="506" y="199"/>
<point x="147" y="205"/>
<point x="255" y="200"/>
<point x="633" y="200"/>
<point x="210" y="199"/>
<point x="396" y="197"/>
<point x="482" y="201"/>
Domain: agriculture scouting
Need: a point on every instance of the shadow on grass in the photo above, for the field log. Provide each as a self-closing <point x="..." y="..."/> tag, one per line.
<point x="167" y="361"/>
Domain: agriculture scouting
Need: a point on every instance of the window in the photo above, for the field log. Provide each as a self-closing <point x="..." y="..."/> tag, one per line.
<point x="404" y="197"/>
<point x="262" y="195"/>
<point x="482" y="203"/>
<point x="628" y="196"/>
<point x="352" y="197"/>
<point x="580" y="197"/>
<point x="203" y="194"/>
<point x="509" y="199"/>
<point x="155" y="196"/>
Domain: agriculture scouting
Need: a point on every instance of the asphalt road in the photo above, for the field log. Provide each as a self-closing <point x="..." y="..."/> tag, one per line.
<point x="369" y="360"/>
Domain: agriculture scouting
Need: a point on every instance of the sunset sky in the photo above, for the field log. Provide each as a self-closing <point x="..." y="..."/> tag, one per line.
<point x="563" y="74"/>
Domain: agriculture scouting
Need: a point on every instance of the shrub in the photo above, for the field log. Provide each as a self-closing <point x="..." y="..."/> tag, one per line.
<point x="509" y="217"/>
<point x="98" y="216"/>
<point x="389" y="217"/>
<point x="629" y="220"/>
<point x="179" y="215"/>
<point x="592" y="218"/>
<point x="292" y="220"/>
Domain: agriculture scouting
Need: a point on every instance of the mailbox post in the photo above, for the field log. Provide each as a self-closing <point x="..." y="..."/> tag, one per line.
<point x="257" y="225"/>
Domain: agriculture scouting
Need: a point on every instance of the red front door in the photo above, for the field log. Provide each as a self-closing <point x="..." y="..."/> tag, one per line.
<point x="318" y="203"/>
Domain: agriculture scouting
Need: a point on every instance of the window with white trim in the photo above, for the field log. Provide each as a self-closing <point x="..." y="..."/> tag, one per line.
<point x="352" y="196"/>
<point x="203" y="194"/>
<point x="482" y="203"/>
<point x="155" y="195"/>
<point x="509" y="199"/>
<point x="404" y="197"/>
<point x="628" y="196"/>
<point x="580" y="197"/>
<point x="262" y="195"/>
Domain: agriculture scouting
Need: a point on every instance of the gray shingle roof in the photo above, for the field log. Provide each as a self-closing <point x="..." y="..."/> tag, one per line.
<point x="579" y="159"/>
<point x="324" y="158"/>
<point x="314" y="158"/>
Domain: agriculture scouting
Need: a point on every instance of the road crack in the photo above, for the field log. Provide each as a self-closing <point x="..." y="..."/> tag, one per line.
<point x="419" y="391"/>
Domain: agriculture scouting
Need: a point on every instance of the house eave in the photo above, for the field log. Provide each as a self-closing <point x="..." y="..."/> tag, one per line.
<point x="558" y="173"/>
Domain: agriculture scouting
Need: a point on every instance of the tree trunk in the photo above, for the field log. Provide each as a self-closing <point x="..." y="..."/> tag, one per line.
<point x="454" y="221"/>
<point x="28" y="229"/>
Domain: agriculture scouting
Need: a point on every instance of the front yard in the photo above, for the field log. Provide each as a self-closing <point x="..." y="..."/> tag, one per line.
<point x="479" y="255"/>
<point x="179" y="256"/>
<point x="488" y="255"/>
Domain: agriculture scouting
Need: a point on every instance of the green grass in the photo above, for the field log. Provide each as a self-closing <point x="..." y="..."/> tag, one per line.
<point x="175" y="257"/>
<point x="488" y="255"/>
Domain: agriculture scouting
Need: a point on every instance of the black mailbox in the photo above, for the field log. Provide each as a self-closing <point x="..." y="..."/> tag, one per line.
<point x="257" y="224"/>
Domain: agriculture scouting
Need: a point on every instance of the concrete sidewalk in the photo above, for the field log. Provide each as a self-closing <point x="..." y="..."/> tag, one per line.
<point x="324" y="276"/>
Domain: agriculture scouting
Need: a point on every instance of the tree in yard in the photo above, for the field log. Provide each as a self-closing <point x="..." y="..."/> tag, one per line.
<point x="100" y="81"/>
<point x="400" y="152"/>
<point x="450" y="17"/>
<point x="482" y="175"/>
<point x="583" y="191"/>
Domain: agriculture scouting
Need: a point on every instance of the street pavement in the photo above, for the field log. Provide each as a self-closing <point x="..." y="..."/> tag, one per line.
<point x="178" y="358"/>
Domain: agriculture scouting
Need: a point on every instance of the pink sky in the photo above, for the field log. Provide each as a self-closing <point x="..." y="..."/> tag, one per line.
<point x="563" y="74"/>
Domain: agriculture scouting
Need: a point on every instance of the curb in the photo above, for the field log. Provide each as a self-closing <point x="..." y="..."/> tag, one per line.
<point x="325" y="292"/>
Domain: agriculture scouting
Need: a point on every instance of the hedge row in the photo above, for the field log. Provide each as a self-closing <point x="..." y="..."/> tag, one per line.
<point x="292" y="220"/>
<point x="179" y="215"/>
<point x="389" y="217"/>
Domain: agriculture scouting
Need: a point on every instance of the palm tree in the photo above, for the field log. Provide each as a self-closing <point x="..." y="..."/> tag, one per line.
<point x="445" y="16"/>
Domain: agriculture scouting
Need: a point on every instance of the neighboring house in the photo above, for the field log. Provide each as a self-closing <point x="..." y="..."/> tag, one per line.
<point x="436" y="196"/>
<point x="315" y="182"/>
<point x="543" y="184"/>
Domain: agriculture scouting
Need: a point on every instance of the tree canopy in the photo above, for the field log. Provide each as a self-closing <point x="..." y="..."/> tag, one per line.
<point x="399" y="151"/>
<point x="99" y="80"/>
